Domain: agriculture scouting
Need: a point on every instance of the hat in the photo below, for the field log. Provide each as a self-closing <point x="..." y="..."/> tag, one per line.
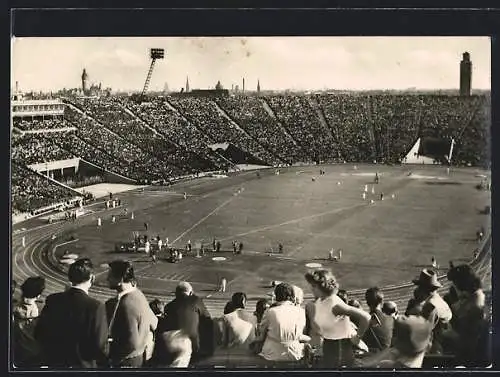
<point x="427" y="278"/>
<point x="412" y="334"/>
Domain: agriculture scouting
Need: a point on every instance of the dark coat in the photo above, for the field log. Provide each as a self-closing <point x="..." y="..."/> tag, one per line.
<point x="190" y="315"/>
<point x="72" y="330"/>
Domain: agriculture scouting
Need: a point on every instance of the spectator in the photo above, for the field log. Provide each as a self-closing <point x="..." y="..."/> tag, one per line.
<point x="282" y="328"/>
<point x="187" y="313"/>
<point x="390" y="308"/>
<point x="157" y="307"/>
<point x="238" y="301"/>
<point x="427" y="285"/>
<point x="239" y="325"/>
<point x="130" y="318"/>
<point x="26" y="349"/>
<point x="342" y="293"/>
<point x="333" y="318"/>
<point x="470" y="326"/>
<point x="354" y="303"/>
<point x="379" y="333"/>
<point x="260" y="308"/>
<point x="72" y="328"/>
<point x="412" y="337"/>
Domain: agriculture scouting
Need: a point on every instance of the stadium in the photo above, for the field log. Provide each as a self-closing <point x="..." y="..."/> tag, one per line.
<point x="252" y="189"/>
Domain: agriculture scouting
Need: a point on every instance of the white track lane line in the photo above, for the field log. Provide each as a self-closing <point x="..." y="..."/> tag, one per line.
<point x="203" y="219"/>
<point x="288" y="222"/>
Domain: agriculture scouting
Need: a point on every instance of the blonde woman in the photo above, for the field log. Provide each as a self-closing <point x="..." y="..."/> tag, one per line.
<point x="332" y="319"/>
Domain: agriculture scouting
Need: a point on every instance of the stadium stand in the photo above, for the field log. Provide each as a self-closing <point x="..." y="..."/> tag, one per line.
<point x="169" y="137"/>
<point x="362" y="128"/>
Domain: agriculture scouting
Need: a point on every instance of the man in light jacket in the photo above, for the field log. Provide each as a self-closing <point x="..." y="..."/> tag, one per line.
<point x="130" y="318"/>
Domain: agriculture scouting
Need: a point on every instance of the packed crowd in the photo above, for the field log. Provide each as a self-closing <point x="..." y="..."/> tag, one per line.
<point x="302" y="122"/>
<point x="36" y="148"/>
<point x="169" y="137"/>
<point x="178" y="130"/>
<point x="205" y="115"/>
<point x="179" y="160"/>
<point x="251" y="115"/>
<point x="31" y="124"/>
<point x="348" y="120"/>
<point x="32" y="191"/>
<point x="74" y="330"/>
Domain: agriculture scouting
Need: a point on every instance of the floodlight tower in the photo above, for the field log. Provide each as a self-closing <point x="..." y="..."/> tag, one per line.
<point x="155" y="54"/>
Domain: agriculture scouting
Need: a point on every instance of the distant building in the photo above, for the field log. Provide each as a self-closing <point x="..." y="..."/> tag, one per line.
<point x="465" y="75"/>
<point x="258" y="86"/>
<point x="219" y="91"/>
<point x="85" y="78"/>
<point x="187" y="84"/>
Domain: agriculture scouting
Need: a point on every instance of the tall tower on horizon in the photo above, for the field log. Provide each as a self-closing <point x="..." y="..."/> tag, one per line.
<point x="243" y="88"/>
<point x="187" y="84"/>
<point x="465" y="75"/>
<point x="85" y="79"/>
<point x="258" y="86"/>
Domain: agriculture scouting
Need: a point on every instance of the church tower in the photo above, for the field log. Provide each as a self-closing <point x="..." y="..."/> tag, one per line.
<point x="187" y="84"/>
<point x="258" y="86"/>
<point x="85" y="79"/>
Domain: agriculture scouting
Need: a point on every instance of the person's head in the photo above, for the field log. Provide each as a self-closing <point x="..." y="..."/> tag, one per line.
<point x="374" y="297"/>
<point x="260" y="308"/>
<point x="354" y="303"/>
<point x="284" y="292"/>
<point x="239" y="300"/>
<point x="342" y="293"/>
<point x="420" y="294"/>
<point x="464" y="279"/>
<point x="33" y="287"/>
<point x="157" y="306"/>
<point x="183" y="289"/>
<point x="298" y="294"/>
<point x="390" y="308"/>
<point x="427" y="282"/>
<point x="121" y="275"/>
<point x="322" y="282"/>
<point x="81" y="272"/>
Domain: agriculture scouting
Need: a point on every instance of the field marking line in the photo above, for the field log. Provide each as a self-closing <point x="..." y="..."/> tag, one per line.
<point x="268" y="227"/>
<point x="204" y="218"/>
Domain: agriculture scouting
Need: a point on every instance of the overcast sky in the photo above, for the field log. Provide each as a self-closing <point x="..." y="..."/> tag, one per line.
<point x="353" y="63"/>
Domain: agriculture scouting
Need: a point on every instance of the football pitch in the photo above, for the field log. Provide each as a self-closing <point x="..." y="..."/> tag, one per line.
<point x="425" y="214"/>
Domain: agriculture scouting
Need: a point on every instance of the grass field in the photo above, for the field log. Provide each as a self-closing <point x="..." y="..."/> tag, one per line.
<point x="388" y="242"/>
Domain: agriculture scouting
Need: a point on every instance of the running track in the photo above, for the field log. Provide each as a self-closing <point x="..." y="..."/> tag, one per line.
<point x="30" y="261"/>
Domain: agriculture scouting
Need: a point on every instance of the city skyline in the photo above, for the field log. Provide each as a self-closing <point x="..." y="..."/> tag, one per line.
<point x="279" y="63"/>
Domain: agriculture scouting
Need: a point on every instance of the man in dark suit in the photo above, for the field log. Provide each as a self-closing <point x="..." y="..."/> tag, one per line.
<point x="72" y="328"/>
<point x="187" y="313"/>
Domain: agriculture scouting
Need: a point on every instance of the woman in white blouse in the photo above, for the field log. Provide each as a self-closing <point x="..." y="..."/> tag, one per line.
<point x="332" y="319"/>
<point x="282" y="327"/>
